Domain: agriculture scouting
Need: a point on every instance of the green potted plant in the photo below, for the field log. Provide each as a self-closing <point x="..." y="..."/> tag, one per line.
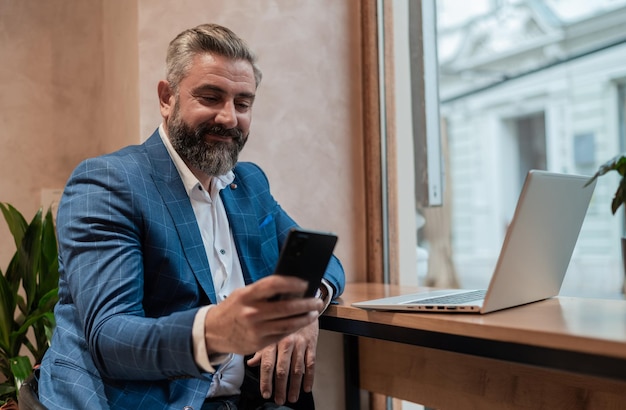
<point x="617" y="164"/>
<point x="28" y="293"/>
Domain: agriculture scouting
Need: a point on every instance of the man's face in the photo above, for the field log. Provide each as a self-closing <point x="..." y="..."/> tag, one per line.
<point x="208" y="120"/>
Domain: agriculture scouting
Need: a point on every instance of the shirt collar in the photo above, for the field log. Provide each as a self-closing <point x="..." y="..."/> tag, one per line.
<point x="189" y="179"/>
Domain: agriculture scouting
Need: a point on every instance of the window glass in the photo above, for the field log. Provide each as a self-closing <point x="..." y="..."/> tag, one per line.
<point x="523" y="85"/>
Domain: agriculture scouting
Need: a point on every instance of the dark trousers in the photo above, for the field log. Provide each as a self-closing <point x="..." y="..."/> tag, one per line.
<point x="251" y="398"/>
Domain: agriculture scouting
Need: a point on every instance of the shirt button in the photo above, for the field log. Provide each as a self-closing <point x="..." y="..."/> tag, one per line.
<point x="222" y="251"/>
<point x="187" y="408"/>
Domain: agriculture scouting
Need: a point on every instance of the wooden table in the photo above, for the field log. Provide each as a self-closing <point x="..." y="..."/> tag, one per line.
<point x="561" y="353"/>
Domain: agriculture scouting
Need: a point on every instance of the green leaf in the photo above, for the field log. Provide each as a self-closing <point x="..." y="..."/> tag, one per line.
<point x="617" y="163"/>
<point x="42" y="322"/>
<point x="21" y="303"/>
<point x="620" y="196"/>
<point x="7" y="309"/>
<point x="13" y="273"/>
<point x="50" y="324"/>
<point x="7" y="389"/>
<point x="36" y="316"/>
<point x="21" y="368"/>
<point x="15" y="221"/>
<point x="46" y="302"/>
<point x="49" y="265"/>
<point x="620" y="164"/>
<point x="30" y="257"/>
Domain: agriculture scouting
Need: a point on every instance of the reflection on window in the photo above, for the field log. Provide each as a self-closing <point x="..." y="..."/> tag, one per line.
<point x="523" y="85"/>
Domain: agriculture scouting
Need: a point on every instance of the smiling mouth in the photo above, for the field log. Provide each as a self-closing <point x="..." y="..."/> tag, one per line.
<point x="217" y="137"/>
<point x="217" y="133"/>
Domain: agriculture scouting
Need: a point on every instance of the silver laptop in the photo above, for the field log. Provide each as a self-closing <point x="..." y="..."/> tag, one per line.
<point x="534" y="257"/>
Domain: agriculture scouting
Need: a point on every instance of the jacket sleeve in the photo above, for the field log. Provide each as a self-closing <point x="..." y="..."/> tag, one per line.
<point x="102" y="230"/>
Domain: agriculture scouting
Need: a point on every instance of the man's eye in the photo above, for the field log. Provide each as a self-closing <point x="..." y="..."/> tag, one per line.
<point x="208" y="98"/>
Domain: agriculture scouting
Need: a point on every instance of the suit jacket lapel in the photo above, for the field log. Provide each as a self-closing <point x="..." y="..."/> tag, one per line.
<point x="172" y="190"/>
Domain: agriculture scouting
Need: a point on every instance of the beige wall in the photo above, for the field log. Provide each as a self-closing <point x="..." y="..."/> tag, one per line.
<point x="50" y="77"/>
<point x="68" y="76"/>
<point x="121" y="74"/>
<point x="78" y="78"/>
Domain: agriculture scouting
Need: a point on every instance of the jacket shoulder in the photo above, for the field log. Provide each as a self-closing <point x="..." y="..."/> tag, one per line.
<point x="131" y="159"/>
<point x="250" y="173"/>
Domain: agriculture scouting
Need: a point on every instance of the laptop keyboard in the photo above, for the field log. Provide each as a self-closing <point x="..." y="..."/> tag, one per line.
<point x="453" y="299"/>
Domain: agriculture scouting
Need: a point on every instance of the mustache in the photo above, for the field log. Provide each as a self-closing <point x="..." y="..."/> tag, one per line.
<point x="234" y="133"/>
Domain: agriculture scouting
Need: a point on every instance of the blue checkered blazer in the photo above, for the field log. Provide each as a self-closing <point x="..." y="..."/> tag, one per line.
<point x="133" y="273"/>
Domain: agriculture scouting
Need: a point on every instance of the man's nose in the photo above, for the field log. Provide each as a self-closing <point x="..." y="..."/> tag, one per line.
<point x="227" y="116"/>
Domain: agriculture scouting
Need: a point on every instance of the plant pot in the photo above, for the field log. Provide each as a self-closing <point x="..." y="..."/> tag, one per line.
<point x="624" y="265"/>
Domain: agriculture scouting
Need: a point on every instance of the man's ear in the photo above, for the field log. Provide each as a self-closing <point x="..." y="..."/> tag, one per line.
<point x="166" y="99"/>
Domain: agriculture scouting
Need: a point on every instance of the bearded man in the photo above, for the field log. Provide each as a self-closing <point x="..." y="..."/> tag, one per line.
<point x="166" y="251"/>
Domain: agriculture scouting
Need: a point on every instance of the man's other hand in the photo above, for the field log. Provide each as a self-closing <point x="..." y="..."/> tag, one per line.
<point x="290" y="361"/>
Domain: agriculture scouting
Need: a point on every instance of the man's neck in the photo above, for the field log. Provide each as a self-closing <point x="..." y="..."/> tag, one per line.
<point x="205" y="180"/>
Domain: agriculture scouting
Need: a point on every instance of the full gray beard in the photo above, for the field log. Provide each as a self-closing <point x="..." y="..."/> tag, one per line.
<point x="214" y="158"/>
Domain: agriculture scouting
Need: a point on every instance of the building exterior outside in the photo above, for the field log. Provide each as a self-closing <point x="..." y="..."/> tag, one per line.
<point x="532" y="84"/>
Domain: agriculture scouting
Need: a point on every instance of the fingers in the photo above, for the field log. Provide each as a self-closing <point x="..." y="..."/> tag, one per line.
<point x="298" y="368"/>
<point x="311" y="333"/>
<point x="289" y="366"/>
<point x="309" y="371"/>
<point x="275" y="370"/>
<point x="273" y="285"/>
<point x="286" y="367"/>
<point x="255" y="360"/>
<point x="266" y="372"/>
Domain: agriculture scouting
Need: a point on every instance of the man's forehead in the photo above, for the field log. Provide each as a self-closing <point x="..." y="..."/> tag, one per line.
<point x="219" y="62"/>
<point x="207" y="69"/>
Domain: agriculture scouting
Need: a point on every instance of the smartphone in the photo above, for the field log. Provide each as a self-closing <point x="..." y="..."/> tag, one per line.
<point x="306" y="254"/>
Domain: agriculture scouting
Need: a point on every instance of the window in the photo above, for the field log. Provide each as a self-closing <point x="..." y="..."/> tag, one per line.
<point x="523" y="85"/>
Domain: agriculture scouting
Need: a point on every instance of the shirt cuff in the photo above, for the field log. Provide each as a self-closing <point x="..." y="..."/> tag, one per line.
<point x="329" y="294"/>
<point x="205" y="361"/>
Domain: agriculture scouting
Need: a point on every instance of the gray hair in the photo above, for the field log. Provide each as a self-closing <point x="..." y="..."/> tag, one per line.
<point x="205" y="38"/>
